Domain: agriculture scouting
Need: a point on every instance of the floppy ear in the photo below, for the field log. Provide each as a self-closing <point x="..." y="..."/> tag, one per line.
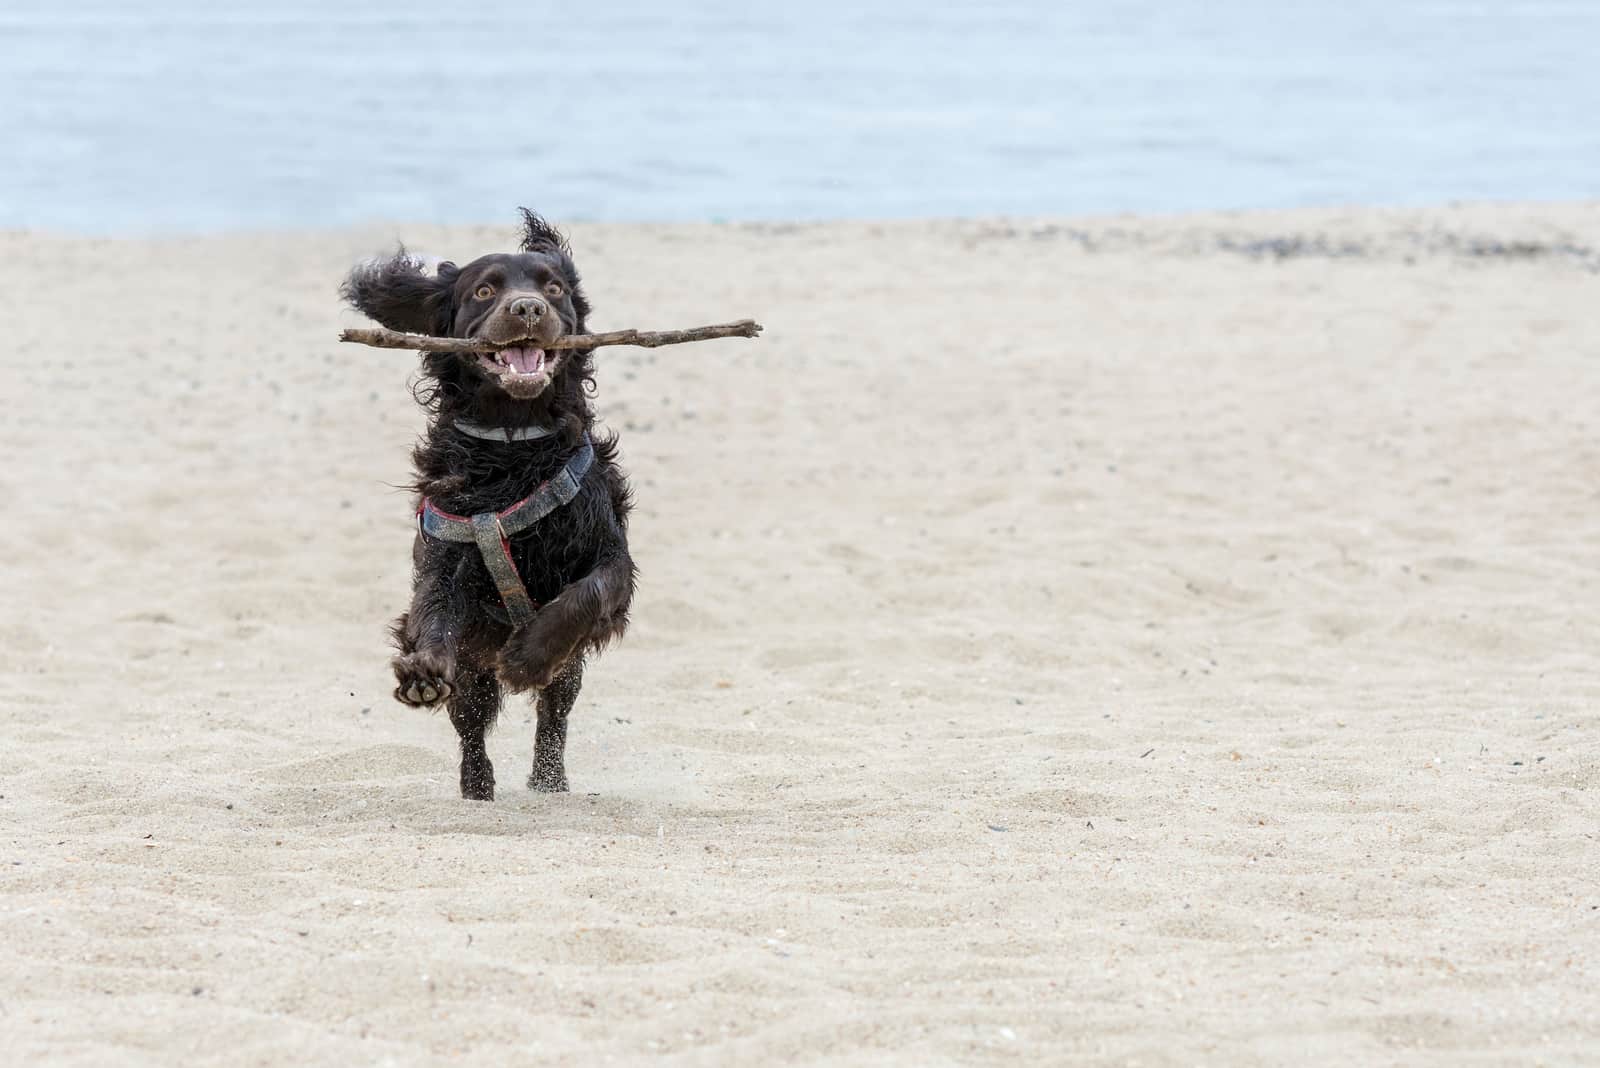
<point x="540" y="236"/>
<point x="399" y="294"/>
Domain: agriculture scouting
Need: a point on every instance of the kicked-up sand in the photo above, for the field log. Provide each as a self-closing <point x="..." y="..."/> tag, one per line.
<point x="1117" y="641"/>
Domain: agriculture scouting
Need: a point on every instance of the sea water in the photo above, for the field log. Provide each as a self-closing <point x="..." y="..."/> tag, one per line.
<point x="151" y="116"/>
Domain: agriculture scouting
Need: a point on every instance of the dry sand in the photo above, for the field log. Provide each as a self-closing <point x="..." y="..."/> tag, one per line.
<point x="1101" y="642"/>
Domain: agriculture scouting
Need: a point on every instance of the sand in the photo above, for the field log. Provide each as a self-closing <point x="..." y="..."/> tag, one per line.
<point x="1115" y="641"/>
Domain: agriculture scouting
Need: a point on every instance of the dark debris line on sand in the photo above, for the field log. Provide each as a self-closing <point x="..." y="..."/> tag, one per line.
<point x="1411" y="246"/>
<point x="1406" y="245"/>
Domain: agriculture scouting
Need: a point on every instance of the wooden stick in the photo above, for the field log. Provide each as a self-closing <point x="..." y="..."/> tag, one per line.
<point x="649" y="339"/>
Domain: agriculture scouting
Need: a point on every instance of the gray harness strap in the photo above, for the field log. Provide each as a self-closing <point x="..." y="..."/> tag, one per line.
<point x="496" y="552"/>
<point x="492" y="531"/>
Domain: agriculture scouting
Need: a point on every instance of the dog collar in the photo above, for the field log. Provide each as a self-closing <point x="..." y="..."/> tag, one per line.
<point x="503" y="433"/>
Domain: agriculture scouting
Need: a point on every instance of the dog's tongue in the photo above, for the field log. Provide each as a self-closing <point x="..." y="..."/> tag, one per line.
<point x="524" y="361"/>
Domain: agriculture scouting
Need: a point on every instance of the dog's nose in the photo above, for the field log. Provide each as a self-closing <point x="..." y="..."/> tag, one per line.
<point x="530" y="308"/>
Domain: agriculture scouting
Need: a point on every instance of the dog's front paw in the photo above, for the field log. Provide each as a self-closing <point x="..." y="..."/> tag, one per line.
<point x="535" y="654"/>
<point x="422" y="679"/>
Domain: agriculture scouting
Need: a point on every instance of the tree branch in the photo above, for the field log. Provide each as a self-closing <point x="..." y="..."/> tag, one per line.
<point x="649" y="339"/>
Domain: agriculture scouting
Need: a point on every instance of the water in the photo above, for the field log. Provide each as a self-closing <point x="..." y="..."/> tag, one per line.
<point x="197" y="115"/>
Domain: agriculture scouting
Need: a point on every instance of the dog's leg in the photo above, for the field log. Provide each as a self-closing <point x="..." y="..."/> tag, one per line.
<point x="550" y="740"/>
<point x="427" y="637"/>
<point x="473" y="704"/>
<point x="593" y="609"/>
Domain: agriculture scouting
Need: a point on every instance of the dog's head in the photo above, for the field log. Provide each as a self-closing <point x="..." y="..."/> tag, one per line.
<point x="518" y="303"/>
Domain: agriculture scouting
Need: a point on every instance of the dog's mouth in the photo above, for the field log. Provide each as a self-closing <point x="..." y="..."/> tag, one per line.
<point x="522" y="370"/>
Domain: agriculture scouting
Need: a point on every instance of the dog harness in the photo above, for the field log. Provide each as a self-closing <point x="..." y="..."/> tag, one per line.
<point x="492" y="531"/>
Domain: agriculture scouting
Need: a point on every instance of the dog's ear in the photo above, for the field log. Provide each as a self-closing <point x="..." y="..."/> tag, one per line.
<point x="401" y="295"/>
<point x="540" y="236"/>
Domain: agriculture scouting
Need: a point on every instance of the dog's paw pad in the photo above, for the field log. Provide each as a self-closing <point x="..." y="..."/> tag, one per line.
<point x="425" y="692"/>
<point x="420" y="683"/>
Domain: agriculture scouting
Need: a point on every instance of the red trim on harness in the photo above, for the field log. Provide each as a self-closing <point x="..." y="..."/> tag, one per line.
<point x="511" y="561"/>
<point x="502" y="513"/>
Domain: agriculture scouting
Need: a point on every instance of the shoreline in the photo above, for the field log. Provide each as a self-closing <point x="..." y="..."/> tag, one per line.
<point x="1505" y="221"/>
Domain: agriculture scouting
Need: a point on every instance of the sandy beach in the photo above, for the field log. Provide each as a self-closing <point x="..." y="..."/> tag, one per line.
<point x="1092" y="641"/>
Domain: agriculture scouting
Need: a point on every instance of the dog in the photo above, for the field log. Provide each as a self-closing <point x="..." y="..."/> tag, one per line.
<point x="520" y="566"/>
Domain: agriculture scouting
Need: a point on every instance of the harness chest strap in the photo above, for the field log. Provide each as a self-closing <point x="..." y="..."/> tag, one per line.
<point x="495" y="548"/>
<point x="492" y="531"/>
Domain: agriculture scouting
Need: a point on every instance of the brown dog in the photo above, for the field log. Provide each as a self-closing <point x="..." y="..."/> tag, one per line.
<point x="520" y="564"/>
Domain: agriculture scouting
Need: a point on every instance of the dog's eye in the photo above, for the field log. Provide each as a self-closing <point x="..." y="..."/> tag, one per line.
<point x="554" y="289"/>
<point x="484" y="292"/>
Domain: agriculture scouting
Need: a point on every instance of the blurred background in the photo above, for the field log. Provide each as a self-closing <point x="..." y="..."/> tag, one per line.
<point x="193" y="115"/>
